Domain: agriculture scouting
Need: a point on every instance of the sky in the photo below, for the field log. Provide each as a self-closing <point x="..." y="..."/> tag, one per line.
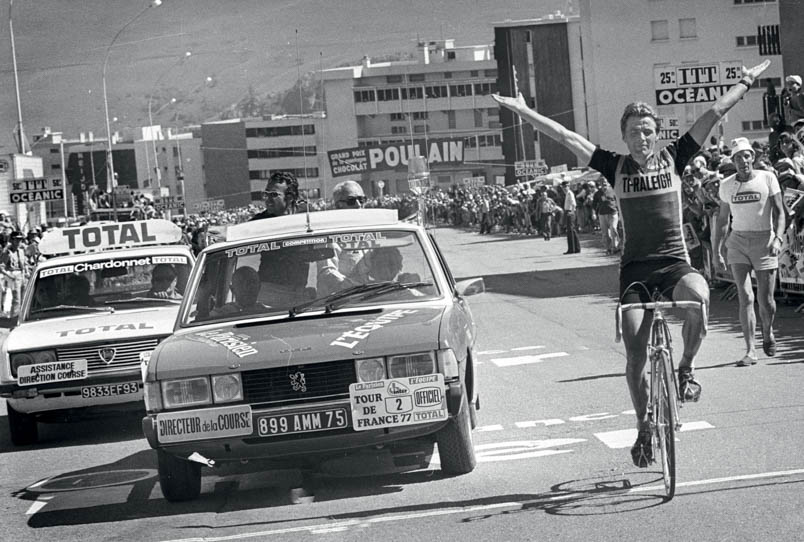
<point x="233" y="45"/>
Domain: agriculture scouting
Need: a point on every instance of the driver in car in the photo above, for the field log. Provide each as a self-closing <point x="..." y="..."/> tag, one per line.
<point x="245" y="288"/>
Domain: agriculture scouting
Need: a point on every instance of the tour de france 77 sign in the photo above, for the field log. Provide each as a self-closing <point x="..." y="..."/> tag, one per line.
<point x="399" y="401"/>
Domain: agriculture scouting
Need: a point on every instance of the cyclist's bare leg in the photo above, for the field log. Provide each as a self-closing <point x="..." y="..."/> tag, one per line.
<point x="745" y="293"/>
<point x="692" y="287"/>
<point x="636" y="332"/>
<point x="766" y="282"/>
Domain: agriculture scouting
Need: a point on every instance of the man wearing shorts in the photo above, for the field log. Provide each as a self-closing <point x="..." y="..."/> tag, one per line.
<point x="753" y="241"/>
<point x="648" y="186"/>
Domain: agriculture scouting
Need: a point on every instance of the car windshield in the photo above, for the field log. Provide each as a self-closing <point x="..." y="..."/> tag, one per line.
<point x="279" y="276"/>
<point x="115" y="283"/>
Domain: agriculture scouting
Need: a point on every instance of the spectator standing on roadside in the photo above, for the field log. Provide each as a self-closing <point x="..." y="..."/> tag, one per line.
<point x="570" y="208"/>
<point x="605" y="204"/>
<point x="793" y="100"/>
<point x="753" y="200"/>
<point x="13" y="267"/>
<point x="545" y="206"/>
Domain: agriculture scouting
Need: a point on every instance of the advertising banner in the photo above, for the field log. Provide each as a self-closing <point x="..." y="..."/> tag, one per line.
<point x="394" y="156"/>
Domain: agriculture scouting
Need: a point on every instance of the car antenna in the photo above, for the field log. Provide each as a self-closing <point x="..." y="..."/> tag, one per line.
<point x="301" y="113"/>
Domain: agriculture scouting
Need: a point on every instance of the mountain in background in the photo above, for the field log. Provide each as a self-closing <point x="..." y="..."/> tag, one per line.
<point x="246" y="56"/>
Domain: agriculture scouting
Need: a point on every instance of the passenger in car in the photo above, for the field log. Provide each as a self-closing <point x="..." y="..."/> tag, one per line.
<point x="78" y="291"/>
<point x="245" y="288"/>
<point x="163" y="282"/>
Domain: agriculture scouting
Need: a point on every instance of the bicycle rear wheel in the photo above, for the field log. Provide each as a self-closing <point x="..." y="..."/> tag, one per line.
<point x="665" y="423"/>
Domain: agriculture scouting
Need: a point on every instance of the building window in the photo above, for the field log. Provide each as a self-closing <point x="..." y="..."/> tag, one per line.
<point x="484" y="89"/>
<point x="490" y="73"/>
<point x="473" y="73"/>
<point x="450" y="55"/>
<point x="659" y="31"/>
<point x="391" y="79"/>
<point x="420" y="129"/>
<point x="387" y="94"/>
<point x="416" y="77"/>
<point x="55" y="166"/>
<point x="399" y="129"/>
<point x="457" y="91"/>
<point x="437" y="91"/>
<point x="738" y="2"/>
<point x="412" y="93"/>
<point x="397" y="116"/>
<point x="746" y="41"/>
<point x="273" y="131"/>
<point x="54" y="151"/>
<point x="478" y="118"/>
<point x="282" y="152"/>
<point x="364" y="96"/>
<point x="687" y="28"/>
<point x="451" y="120"/>
<point x="447" y="75"/>
<point x="420" y="115"/>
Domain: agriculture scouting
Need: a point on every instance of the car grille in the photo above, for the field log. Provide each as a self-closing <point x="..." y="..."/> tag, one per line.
<point x="126" y="355"/>
<point x="328" y="380"/>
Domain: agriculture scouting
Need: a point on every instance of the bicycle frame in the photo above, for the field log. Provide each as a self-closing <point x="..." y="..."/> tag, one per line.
<point x="664" y="399"/>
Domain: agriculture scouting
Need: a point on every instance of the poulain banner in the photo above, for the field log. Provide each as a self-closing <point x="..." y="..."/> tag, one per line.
<point x="394" y="156"/>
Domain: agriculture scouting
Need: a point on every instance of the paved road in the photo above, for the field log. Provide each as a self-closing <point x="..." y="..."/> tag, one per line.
<point x="555" y="427"/>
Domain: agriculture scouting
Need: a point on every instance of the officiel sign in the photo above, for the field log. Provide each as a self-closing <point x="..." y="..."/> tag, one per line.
<point x="345" y="162"/>
<point x="33" y="190"/>
<point x="695" y="83"/>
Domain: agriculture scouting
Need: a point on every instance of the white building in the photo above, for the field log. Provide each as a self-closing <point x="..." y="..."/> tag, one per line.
<point x="439" y="105"/>
<point x="677" y="55"/>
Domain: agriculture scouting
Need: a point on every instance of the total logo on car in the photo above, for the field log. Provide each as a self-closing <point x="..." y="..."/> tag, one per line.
<point x="303" y="338"/>
<point x="91" y="314"/>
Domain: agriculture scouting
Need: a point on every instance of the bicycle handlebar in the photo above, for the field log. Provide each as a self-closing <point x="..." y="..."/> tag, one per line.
<point x="660" y="305"/>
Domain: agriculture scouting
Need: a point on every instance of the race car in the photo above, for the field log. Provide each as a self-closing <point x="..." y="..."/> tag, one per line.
<point x="303" y="338"/>
<point x="109" y="293"/>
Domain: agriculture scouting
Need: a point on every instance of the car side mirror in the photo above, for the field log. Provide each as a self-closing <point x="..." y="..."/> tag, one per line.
<point x="470" y="287"/>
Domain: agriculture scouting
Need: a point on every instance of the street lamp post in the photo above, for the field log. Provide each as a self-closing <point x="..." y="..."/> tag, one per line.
<point x="151" y="119"/>
<point x="20" y="131"/>
<point x="111" y="181"/>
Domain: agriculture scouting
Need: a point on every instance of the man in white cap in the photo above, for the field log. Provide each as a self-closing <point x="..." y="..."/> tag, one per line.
<point x="648" y="185"/>
<point x="793" y="100"/>
<point x="753" y="241"/>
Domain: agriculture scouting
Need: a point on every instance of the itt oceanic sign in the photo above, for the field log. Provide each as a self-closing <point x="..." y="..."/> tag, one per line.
<point x="395" y="156"/>
<point x="33" y="190"/>
<point x="698" y="83"/>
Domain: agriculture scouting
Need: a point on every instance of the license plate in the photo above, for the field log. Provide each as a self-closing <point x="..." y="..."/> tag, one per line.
<point x="301" y="422"/>
<point x="110" y="390"/>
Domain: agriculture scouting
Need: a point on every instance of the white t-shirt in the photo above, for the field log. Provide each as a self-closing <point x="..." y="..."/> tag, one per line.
<point x="749" y="202"/>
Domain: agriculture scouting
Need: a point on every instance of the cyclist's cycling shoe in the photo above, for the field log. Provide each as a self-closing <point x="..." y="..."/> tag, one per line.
<point x="642" y="451"/>
<point x="688" y="388"/>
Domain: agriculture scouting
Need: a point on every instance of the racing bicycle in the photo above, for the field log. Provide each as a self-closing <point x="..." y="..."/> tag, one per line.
<point x="664" y="399"/>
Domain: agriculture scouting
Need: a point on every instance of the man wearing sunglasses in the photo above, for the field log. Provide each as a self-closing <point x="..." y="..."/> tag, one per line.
<point x="348" y="195"/>
<point x="347" y="268"/>
<point x="281" y="195"/>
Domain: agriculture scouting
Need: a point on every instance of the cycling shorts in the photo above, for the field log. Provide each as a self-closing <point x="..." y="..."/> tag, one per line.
<point x="663" y="274"/>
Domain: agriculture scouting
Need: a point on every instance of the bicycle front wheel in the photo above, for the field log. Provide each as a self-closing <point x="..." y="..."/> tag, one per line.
<point x="665" y="423"/>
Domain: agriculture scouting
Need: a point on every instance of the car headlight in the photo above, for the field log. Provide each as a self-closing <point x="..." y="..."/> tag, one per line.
<point x="186" y="392"/>
<point x="31" y="358"/>
<point x="417" y="364"/>
<point x="448" y="363"/>
<point x="370" y="370"/>
<point x="227" y="388"/>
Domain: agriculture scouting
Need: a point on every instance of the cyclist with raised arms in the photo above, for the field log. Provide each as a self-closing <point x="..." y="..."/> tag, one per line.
<point x="648" y="186"/>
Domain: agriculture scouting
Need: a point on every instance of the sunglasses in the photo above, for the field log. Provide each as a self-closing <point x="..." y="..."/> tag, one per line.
<point x="352" y="200"/>
<point x="271" y="195"/>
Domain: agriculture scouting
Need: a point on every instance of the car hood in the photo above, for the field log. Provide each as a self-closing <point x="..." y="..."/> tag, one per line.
<point x="100" y="326"/>
<point x="298" y="341"/>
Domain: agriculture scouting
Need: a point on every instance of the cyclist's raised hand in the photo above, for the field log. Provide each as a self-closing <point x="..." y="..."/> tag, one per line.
<point x="514" y="104"/>
<point x="756" y="71"/>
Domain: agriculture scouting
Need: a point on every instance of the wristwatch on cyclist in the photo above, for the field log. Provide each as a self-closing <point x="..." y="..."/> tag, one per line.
<point x="776" y="237"/>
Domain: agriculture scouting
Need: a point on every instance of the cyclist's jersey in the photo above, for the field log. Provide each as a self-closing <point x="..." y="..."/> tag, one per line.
<point x="649" y="200"/>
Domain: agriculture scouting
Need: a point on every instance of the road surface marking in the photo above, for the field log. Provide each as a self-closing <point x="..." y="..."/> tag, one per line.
<point x="534" y="423"/>
<point x="737" y="478"/>
<point x="524" y="360"/>
<point x="517" y="449"/>
<point x="487" y="352"/>
<point x="521" y="348"/>
<point x="624" y="438"/>
<point x="38" y="504"/>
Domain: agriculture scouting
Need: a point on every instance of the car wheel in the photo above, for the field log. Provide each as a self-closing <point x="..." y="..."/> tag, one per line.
<point x="180" y="479"/>
<point x="455" y="448"/>
<point x="22" y="427"/>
